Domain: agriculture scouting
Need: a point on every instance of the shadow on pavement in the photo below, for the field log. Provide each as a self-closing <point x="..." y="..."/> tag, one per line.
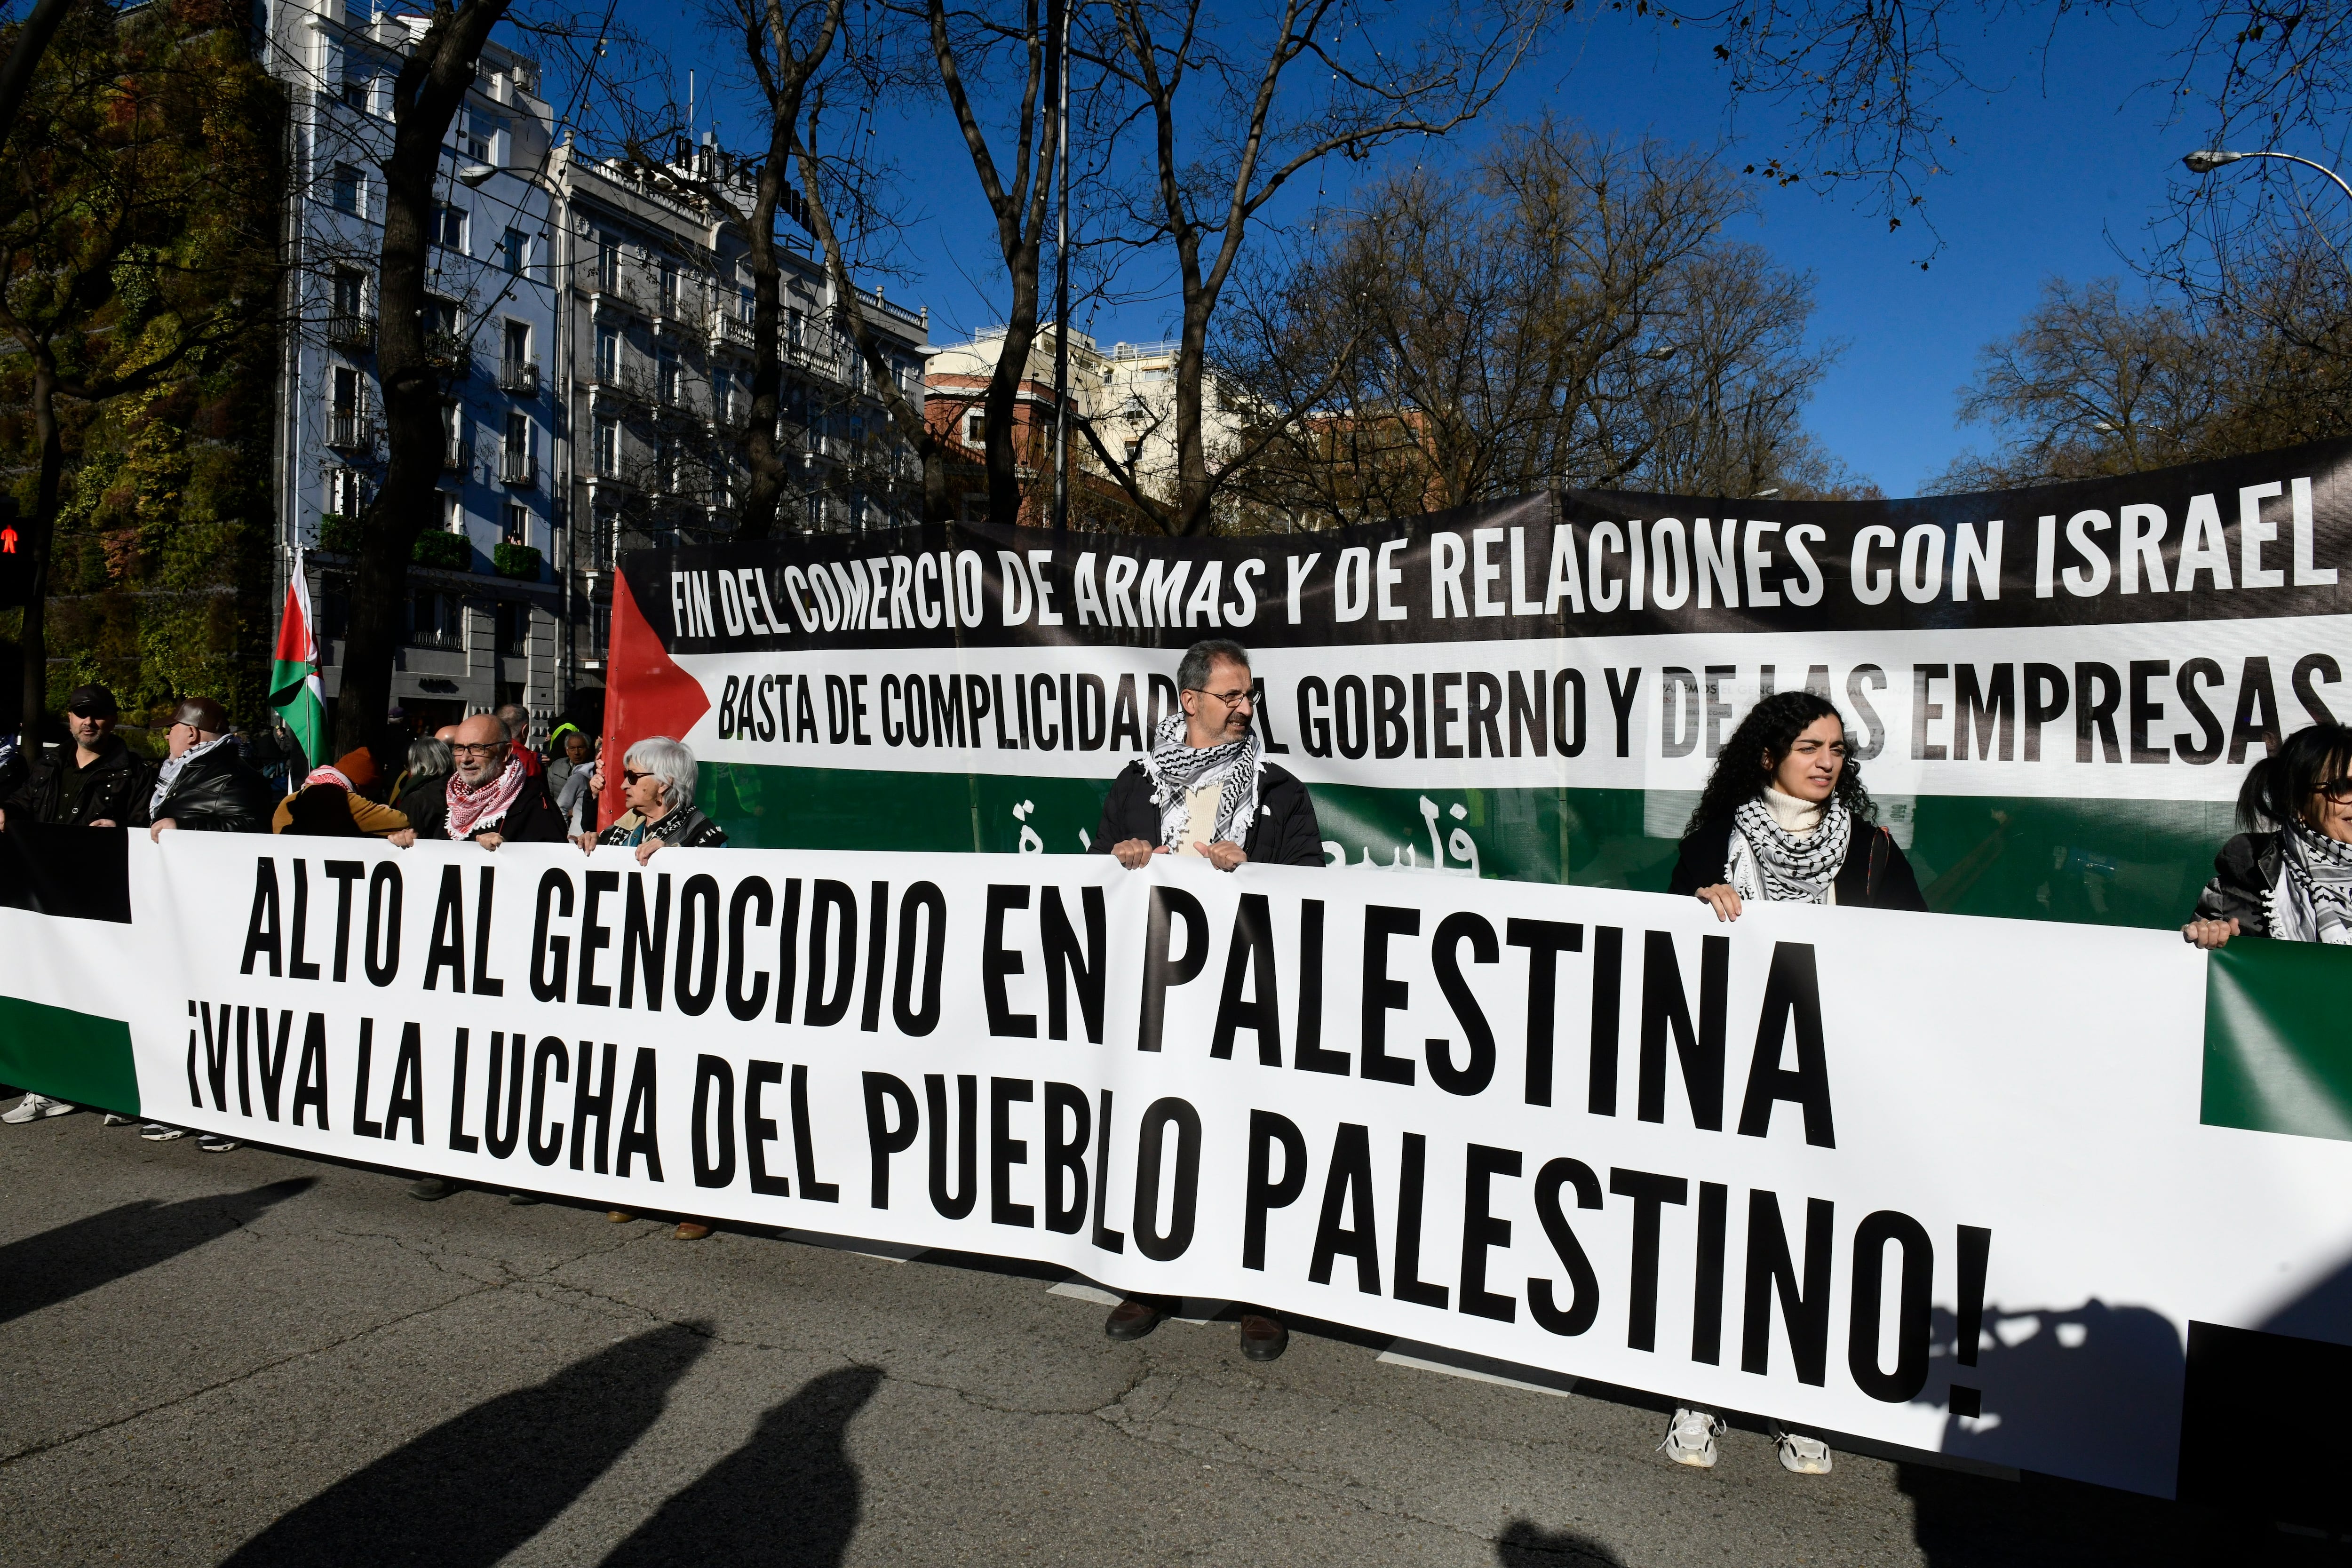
<point x="1525" y="1545"/>
<point x="61" y="1263"/>
<point x="789" y="1498"/>
<point x="479" y="1485"/>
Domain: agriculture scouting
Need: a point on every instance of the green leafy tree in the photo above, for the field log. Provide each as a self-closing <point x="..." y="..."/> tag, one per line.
<point x="138" y="272"/>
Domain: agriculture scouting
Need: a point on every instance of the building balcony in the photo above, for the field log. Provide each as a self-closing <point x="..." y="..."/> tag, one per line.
<point x="519" y="469"/>
<point x="457" y="455"/>
<point x="351" y="329"/>
<point x="451" y="354"/>
<point x="728" y="330"/>
<point x="519" y="378"/>
<point x="351" y="430"/>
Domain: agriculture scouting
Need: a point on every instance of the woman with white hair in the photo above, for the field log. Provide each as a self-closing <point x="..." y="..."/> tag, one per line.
<point x="658" y="781"/>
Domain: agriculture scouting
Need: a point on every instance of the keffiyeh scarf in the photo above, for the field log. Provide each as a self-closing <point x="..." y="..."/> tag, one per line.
<point x="474" y="807"/>
<point x="1177" y="769"/>
<point x="1770" y="863"/>
<point x="169" y="773"/>
<point x="328" y="775"/>
<point x="2313" y="900"/>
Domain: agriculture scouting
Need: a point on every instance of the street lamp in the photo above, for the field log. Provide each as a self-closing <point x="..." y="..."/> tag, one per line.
<point x="2205" y="163"/>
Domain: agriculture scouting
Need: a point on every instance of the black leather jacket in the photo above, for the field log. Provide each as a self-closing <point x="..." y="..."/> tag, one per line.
<point x="217" y="793"/>
<point x="2245" y="873"/>
<point x="109" y="789"/>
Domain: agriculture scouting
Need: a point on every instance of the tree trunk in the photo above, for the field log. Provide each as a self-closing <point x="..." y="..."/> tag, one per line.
<point x="34" y="642"/>
<point x="764" y="492"/>
<point x="427" y="95"/>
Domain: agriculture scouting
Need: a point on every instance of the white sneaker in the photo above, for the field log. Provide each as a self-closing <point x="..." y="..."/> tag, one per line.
<point x="156" y="1132"/>
<point x="36" y="1107"/>
<point x="214" y="1142"/>
<point x="1691" y="1440"/>
<point x="114" y="1119"/>
<point x="1803" y="1456"/>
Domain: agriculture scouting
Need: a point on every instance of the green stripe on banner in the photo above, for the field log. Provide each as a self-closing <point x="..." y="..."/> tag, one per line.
<point x="77" y="1057"/>
<point x="2278" y="1055"/>
<point x="2089" y="861"/>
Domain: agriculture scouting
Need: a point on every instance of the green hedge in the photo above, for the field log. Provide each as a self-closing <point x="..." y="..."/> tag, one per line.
<point x="449" y="552"/>
<point x="339" y="533"/>
<point x="520" y="561"/>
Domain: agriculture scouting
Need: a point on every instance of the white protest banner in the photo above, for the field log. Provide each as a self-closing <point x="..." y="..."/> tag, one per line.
<point x="1955" y="1185"/>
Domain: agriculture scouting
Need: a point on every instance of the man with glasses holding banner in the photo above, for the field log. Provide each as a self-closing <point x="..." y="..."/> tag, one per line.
<point x="494" y="795"/>
<point x="1206" y="789"/>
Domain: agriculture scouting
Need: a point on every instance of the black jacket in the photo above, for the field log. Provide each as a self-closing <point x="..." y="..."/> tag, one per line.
<point x="688" y="829"/>
<point x="426" y="804"/>
<point x="2244" y="872"/>
<point x="111" y="789"/>
<point x="1875" y="875"/>
<point x="1284" y="833"/>
<point x="219" y="792"/>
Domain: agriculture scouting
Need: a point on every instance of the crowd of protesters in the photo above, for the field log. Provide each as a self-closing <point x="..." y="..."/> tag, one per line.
<point x="1784" y="818"/>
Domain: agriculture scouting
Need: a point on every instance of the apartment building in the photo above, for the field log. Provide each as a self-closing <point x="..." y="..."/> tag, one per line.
<point x="658" y="338"/>
<point x="1128" y="392"/>
<point x="484" y="608"/>
<point x="592" y="321"/>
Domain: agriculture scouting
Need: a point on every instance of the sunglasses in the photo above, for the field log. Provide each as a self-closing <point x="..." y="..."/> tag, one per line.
<point x="631" y="775"/>
<point x="2337" y="791"/>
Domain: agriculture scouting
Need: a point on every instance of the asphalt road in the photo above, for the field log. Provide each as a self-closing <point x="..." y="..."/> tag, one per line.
<point x="261" y="1360"/>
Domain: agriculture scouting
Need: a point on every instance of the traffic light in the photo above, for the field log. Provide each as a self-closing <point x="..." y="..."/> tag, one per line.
<point x="15" y="563"/>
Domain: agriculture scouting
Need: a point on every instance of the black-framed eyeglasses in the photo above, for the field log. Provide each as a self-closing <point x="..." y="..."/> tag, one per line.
<point x="488" y="748"/>
<point x="1241" y="699"/>
<point x="2337" y="791"/>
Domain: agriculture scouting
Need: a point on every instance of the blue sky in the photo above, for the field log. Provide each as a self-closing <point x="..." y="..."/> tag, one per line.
<point x="2061" y="164"/>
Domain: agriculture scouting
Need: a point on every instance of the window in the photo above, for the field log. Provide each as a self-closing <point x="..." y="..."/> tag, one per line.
<point x="440" y="317"/>
<point x="345" y="497"/>
<point x="514" y="251"/>
<point x="435" y="620"/>
<point x="608" y="263"/>
<point x="722" y="396"/>
<point x="608" y="449"/>
<point x="453" y="438"/>
<point x="343" y="188"/>
<point x="449" y="226"/>
<point x="670" y="287"/>
<point x="510" y="624"/>
<point x="608" y="356"/>
<point x="796" y="323"/>
<point x="517" y="528"/>
<point x="476" y="131"/>
<point x="350" y="291"/>
<point x="518" y="439"/>
<point x="668" y="381"/>
<point x="1134" y="452"/>
<point x="748" y="302"/>
<point x="517" y="339"/>
<point x="453" y="511"/>
<point x="975" y="429"/>
<point x="347" y="395"/>
<point x="357" y="90"/>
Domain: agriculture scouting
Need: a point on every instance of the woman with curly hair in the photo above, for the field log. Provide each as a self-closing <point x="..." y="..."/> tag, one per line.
<point x="1785" y="819"/>
<point x="2289" y="875"/>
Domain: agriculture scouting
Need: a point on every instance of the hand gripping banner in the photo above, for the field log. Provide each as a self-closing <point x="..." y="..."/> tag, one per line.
<point x="2055" y="693"/>
<point x="2036" y="1196"/>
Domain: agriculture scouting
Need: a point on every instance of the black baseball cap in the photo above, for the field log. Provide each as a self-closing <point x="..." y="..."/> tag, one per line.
<point x="92" y="701"/>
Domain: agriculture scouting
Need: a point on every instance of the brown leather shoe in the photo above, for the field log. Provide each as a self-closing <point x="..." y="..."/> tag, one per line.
<point x="692" y="1230"/>
<point x="619" y="1217"/>
<point x="1131" y="1319"/>
<point x="1263" y="1339"/>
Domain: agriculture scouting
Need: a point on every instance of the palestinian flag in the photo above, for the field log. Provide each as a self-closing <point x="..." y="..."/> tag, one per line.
<point x="294" y="669"/>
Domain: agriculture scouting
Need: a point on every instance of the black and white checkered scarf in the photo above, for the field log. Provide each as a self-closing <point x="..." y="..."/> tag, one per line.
<point x="1177" y="769"/>
<point x="1790" y="870"/>
<point x="2313" y="901"/>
